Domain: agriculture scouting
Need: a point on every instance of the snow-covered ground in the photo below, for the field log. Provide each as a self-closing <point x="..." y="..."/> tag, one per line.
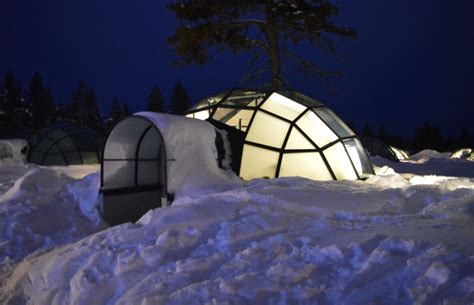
<point x="404" y="236"/>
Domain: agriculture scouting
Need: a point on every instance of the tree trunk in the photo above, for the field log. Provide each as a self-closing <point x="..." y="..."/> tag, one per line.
<point x="271" y="36"/>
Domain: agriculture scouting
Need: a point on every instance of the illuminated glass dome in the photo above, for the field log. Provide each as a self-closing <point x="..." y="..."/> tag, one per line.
<point x="375" y="147"/>
<point x="64" y="144"/>
<point x="284" y="133"/>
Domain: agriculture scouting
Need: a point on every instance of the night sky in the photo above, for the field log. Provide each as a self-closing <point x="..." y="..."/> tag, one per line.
<point x="412" y="61"/>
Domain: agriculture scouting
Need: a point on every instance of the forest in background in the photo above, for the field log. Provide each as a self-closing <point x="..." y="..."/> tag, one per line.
<point x="25" y="111"/>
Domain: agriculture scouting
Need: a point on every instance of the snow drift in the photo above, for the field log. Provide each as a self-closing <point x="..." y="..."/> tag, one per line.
<point x="393" y="239"/>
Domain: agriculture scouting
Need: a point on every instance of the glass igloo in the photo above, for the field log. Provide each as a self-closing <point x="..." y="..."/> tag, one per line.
<point x="285" y="133"/>
<point x="64" y="144"/>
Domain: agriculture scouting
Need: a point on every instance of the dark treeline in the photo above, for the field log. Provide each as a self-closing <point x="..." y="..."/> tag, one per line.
<point x="25" y="111"/>
<point x="426" y="136"/>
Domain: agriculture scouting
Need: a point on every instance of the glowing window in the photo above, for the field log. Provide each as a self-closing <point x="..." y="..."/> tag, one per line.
<point x="258" y="162"/>
<point x="283" y="106"/>
<point x="267" y="130"/>
<point x="308" y="165"/>
<point x="298" y="141"/>
<point x="317" y="131"/>
<point x="339" y="161"/>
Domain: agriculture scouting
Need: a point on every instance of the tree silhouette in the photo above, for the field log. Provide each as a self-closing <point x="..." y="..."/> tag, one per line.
<point x="15" y="111"/>
<point x="270" y="30"/>
<point x="155" y="101"/>
<point x="180" y="100"/>
<point x="41" y="102"/>
<point x="85" y="109"/>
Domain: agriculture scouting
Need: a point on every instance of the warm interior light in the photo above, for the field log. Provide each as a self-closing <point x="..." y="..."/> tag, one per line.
<point x="283" y="106"/>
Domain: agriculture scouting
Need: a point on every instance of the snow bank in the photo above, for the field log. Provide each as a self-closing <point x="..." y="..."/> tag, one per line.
<point x="429" y="154"/>
<point x="10" y="150"/>
<point x="43" y="209"/>
<point x="423" y="165"/>
<point x="273" y="241"/>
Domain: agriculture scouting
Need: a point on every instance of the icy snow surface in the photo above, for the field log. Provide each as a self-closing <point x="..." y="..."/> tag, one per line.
<point x="393" y="239"/>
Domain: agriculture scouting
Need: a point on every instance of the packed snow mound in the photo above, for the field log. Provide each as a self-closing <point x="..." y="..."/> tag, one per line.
<point x="43" y="208"/>
<point x="11" y="150"/>
<point x="429" y="166"/>
<point x="192" y="167"/>
<point x="273" y="241"/>
<point x="429" y="154"/>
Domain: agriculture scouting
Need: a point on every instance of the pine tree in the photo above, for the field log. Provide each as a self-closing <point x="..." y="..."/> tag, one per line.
<point x="155" y="101"/>
<point x="78" y="105"/>
<point x="367" y="131"/>
<point x="15" y="110"/>
<point x="93" y="118"/>
<point x="41" y="102"/>
<point x="125" y="111"/>
<point x="85" y="109"/>
<point x="270" y="30"/>
<point x="180" y="100"/>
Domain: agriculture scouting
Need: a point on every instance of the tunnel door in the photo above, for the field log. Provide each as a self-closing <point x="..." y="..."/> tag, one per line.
<point x="133" y="173"/>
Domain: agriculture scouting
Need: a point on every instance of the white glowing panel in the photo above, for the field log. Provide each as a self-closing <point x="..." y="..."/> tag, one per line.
<point x="316" y="129"/>
<point x="354" y="155"/>
<point x="298" y="141"/>
<point x="241" y="119"/>
<point x="267" y="130"/>
<point x="307" y="165"/>
<point x="339" y="162"/>
<point x="200" y="115"/>
<point x="283" y="106"/>
<point x="401" y="154"/>
<point x="258" y="162"/>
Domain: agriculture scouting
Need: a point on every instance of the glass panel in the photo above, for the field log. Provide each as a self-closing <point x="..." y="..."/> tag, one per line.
<point x="73" y="157"/>
<point x="36" y="157"/>
<point x="258" y="162"/>
<point x="244" y="98"/>
<point x="301" y="98"/>
<point x="200" y="115"/>
<point x="334" y="122"/>
<point x="339" y="162"/>
<point x="123" y="140"/>
<point x="89" y="157"/>
<point x="66" y="145"/>
<point x="359" y="156"/>
<point x="57" y="134"/>
<point x="44" y="145"/>
<point x="308" y="165"/>
<point x="150" y="147"/>
<point x="208" y="101"/>
<point x="267" y="130"/>
<point x="316" y="130"/>
<point x="283" y="106"/>
<point x="119" y="174"/>
<point x="224" y="114"/>
<point x="298" y="141"/>
<point x="148" y="172"/>
<point x="54" y="159"/>
<point x="240" y="119"/>
<point x="54" y="150"/>
<point x="401" y="154"/>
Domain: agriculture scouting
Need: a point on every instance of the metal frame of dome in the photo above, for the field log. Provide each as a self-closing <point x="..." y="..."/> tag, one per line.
<point x="252" y="104"/>
<point x="64" y="144"/>
<point x="376" y="147"/>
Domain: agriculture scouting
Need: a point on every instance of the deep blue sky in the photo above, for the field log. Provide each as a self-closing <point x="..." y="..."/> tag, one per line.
<point x="412" y="61"/>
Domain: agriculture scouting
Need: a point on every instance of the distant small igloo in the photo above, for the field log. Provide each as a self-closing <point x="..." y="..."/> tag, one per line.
<point x="284" y="133"/>
<point x="64" y="144"/>
<point x="376" y="147"/>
